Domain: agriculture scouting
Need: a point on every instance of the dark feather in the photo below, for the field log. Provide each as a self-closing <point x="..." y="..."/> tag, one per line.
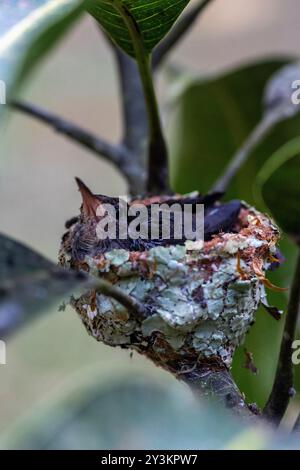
<point x="218" y="218"/>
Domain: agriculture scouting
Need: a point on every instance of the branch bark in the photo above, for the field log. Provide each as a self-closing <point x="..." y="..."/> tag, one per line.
<point x="118" y="155"/>
<point x="153" y="169"/>
<point x="182" y="26"/>
<point x="130" y="157"/>
<point x="135" y="118"/>
<point x="134" y="113"/>
<point x="133" y="105"/>
<point x="282" y="390"/>
<point x="206" y="381"/>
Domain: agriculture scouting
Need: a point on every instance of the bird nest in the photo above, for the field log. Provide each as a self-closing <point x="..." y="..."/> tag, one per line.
<point x="200" y="299"/>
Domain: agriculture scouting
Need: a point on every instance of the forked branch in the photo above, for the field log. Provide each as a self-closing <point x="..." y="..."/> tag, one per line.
<point x="118" y="155"/>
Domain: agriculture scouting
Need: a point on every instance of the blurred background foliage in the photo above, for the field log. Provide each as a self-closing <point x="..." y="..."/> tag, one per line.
<point x="214" y="117"/>
<point x="127" y="413"/>
<point x="59" y="387"/>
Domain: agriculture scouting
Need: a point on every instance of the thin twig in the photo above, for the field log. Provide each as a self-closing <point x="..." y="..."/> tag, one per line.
<point x="240" y="158"/>
<point x="158" y="177"/>
<point x="297" y="425"/>
<point x="182" y="26"/>
<point x="111" y="152"/>
<point x="282" y="390"/>
<point x="115" y="154"/>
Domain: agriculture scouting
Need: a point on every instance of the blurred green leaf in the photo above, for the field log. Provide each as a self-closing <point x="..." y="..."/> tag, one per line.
<point x="27" y="31"/>
<point x="130" y="413"/>
<point x="212" y="118"/>
<point x="151" y="20"/>
<point x="278" y="183"/>
<point x="29" y="283"/>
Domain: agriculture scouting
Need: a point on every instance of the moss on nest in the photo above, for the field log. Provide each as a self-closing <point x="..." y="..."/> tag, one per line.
<point x="201" y="299"/>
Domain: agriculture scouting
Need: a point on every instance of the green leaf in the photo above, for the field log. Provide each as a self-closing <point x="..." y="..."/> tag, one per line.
<point x="278" y="183"/>
<point x="151" y="20"/>
<point x="27" y="31"/>
<point x="128" y="414"/>
<point x="29" y="283"/>
<point x="211" y="120"/>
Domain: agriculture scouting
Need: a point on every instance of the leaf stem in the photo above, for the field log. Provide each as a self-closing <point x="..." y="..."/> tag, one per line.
<point x="158" y="155"/>
<point x="297" y="425"/>
<point x="240" y="158"/>
<point x="282" y="390"/>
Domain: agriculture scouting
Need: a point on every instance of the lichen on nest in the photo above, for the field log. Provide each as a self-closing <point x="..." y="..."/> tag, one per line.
<point x="201" y="299"/>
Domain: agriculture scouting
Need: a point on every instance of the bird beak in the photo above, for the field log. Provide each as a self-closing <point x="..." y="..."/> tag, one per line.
<point x="90" y="202"/>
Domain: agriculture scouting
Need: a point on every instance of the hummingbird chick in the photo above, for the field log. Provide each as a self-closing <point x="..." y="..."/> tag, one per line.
<point x="82" y="238"/>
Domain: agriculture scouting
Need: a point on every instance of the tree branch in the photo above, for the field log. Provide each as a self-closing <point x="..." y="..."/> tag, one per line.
<point x="210" y="382"/>
<point x="134" y="112"/>
<point x="182" y="26"/>
<point x="20" y="301"/>
<point x="129" y="302"/>
<point x="133" y="105"/>
<point x="135" y="119"/>
<point x="282" y="390"/>
<point x="115" y="154"/>
<point x="240" y="158"/>
<point x="158" y="177"/>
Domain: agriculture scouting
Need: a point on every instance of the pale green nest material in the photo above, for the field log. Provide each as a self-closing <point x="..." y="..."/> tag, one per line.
<point x="201" y="300"/>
